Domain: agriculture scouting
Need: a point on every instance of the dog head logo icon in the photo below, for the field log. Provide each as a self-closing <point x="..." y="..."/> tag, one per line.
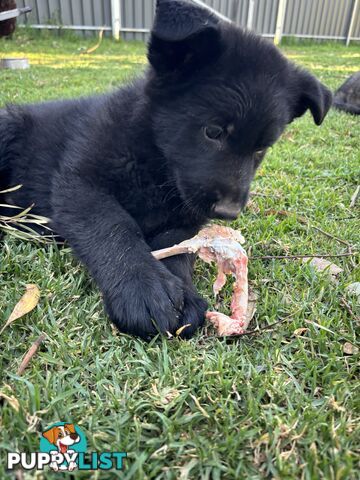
<point x="64" y="441"/>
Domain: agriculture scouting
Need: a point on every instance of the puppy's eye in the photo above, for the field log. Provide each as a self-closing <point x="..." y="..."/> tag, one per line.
<point x="213" y="132"/>
<point x="60" y="435"/>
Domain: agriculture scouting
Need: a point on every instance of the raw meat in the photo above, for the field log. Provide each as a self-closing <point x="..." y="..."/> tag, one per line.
<point x="221" y="245"/>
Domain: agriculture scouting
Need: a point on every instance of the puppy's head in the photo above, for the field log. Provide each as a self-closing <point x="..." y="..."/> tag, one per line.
<point x="62" y="436"/>
<point x="221" y="98"/>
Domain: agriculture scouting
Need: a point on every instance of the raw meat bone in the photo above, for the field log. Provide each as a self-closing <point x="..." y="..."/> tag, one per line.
<point x="222" y="246"/>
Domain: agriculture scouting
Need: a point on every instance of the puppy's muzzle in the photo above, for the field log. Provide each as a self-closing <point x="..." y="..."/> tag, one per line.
<point x="227" y="211"/>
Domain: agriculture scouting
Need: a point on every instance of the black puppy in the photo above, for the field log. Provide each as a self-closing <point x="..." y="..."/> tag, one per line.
<point x="347" y="97"/>
<point x="148" y="165"/>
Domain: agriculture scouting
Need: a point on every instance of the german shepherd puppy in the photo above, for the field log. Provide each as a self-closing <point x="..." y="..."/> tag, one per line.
<point x="148" y="165"/>
<point x="347" y="97"/>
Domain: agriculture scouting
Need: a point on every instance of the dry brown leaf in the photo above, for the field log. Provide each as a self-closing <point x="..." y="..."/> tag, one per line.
<point x="350" y="349"/>
<point x="29" y="355"/>
<point x="335" y="405"/>
<point x="181" y="329"/>
<point x="12" y="401"/>
<point x="300" y="331"/>
<point x="95" y="47"/>
<point x="26" y="304"/>
<point x="321" y="265"/>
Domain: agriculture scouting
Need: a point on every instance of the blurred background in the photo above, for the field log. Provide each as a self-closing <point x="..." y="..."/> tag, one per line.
<point x="313" y="19"/>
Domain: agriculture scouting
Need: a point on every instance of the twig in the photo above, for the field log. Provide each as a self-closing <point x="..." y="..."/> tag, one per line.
<point x="262" y="329"/>
<point x="283" y="257"/>
<point x="29" y="355"/>
<point x="305" y="221"/>
<point x="347" y="307"/>
<point x="354" y="197"/>
<point x="329" y="235"/>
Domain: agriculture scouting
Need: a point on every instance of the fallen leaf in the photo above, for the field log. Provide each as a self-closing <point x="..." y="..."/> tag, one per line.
<point x="350" y="349"/>
<point x="26" y="304"/>
<point x="181" y="329"/>
<point x="335" y="405"/>
<point x="354" y="289"/>
<point x="29" y="355"/>
<point x="321" y="265"/>
<point x="300" y="331"/>
<point x="12" y="401"/>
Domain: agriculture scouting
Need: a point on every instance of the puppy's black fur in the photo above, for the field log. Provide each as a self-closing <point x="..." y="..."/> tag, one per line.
<point x="148" y="165"/>
<point x="347" y="97"/>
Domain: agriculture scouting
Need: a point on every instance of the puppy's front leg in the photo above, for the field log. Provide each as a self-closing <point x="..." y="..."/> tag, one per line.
<point x="182" y="266"/>
<point x="141" y="295"/>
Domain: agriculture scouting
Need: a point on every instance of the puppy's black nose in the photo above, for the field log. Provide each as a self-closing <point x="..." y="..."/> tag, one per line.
<point x="227" y="211"/>
<point x="74" y="436"/>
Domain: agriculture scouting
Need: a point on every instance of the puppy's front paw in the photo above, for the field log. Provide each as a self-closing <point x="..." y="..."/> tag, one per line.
<point x="194" y="311"/>
<point x="148" y="302"/>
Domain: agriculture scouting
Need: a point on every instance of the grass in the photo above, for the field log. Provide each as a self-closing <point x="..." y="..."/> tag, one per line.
<point x="283" y="404"/>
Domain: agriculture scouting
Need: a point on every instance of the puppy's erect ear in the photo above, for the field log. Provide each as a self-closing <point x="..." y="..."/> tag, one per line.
<point x="183" y="35"/>
<point x="51" y="435"/>
<point x="311" y="95"/>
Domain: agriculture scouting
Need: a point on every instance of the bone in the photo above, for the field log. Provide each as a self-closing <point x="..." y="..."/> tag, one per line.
<point x="221" y="245"/>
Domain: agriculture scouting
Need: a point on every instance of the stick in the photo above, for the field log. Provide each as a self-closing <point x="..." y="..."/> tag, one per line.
<point x="29" y="355"/>
<point x="305" y="221"/>
<point x="327" y="234"/>
<point x="347" y="307"/>
<point x="283" y="257"/>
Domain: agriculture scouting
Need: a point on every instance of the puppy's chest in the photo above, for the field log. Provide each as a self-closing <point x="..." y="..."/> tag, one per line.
<point x="142" y="193"/>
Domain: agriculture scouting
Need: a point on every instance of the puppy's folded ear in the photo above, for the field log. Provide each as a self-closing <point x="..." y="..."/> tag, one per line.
<point x="50" y="435"/>
<point x="184" y="35"/>
<point x="310" y="94"/>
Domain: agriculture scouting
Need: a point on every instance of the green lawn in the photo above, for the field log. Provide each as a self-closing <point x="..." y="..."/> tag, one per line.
<point x="283" y="404"/>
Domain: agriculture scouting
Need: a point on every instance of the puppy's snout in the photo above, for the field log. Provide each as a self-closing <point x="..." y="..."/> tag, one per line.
<point x="227" y="210"/>
<point x="74" y="436"/>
